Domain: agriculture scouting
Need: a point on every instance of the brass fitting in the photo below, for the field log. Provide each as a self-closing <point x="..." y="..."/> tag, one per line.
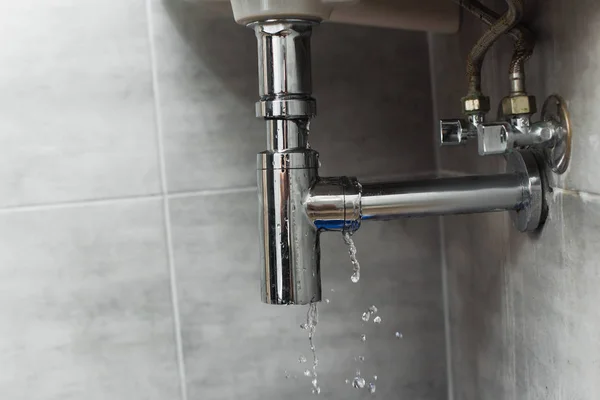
<point x="520" y="104"/>
<point x="475" y="104"/>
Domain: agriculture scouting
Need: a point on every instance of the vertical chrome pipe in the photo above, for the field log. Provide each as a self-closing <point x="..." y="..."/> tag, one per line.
<point x="289" y="242"/>
<point x="284" y="70"/>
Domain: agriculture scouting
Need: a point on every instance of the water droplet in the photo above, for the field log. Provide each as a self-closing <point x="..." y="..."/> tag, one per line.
<point x="287" y="374"/>
<point x="372" y="388"/>
<point x="307" y="372"/>
<point x="347" y="381"/>
<point x="358" y="382"/>
<point x="316" y="390"/>
<point x="373" y="310"/>
<point x="366" y="315"/>
<point x="301" y="359"/>
<point x="361" y="358"/>
<point x="352" y="252"/>
<point x="303" y="326"/>
<point x="332" y="290"/>
<point x="315" y="383"/>
<point x="363" y="338"/>
<point x="377" y="319"/>
<point x="327" y="301"/>
<point x="375" y="377"/>
<point x="398" y="335"/>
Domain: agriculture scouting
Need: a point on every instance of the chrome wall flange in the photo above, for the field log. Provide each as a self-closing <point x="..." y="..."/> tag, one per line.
<point x="531" y="215"/>
<point x="558" y="156"/>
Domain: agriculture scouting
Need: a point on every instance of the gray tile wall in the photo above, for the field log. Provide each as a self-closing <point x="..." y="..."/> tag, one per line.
<point x="523" y="321"/>
<point x="128" y="255"/>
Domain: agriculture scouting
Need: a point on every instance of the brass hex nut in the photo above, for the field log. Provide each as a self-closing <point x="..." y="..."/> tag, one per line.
<point x="518" y="105"/>
<point x="475" y="104"/>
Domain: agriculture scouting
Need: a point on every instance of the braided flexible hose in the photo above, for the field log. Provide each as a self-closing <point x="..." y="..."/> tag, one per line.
<point x="501" y="25"/>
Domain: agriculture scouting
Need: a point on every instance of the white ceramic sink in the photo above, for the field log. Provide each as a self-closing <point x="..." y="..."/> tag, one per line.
<point x="423" y="15"/>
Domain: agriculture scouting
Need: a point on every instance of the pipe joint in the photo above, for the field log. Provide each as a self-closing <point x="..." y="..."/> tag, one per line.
<point x="333" y="204"/>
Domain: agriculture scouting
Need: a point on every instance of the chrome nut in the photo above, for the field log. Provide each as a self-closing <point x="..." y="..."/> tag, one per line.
<point x="518" y="105"/>
<point x="475" y="104"/>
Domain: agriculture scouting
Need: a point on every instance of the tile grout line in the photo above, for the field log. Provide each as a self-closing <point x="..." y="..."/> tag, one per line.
<point x="434" y="105"/>
<point x="583" y="194"/>
<point x="442" y="235"/>
<point x="210" y="192"/>
<point x="446" y="309"/>
<point x="77" y="203"/>
<point x="441" y="173"/>
<point x="165" y="203"/>
<point x="117" y="199"/>
<point x="449" y="173"/>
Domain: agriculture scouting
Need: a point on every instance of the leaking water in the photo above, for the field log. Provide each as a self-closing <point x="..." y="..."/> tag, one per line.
<point x="358" y="382"/>
<point x="312" y="318"/>
<point x="352" y="252"/>
<point x="372" y="388"/>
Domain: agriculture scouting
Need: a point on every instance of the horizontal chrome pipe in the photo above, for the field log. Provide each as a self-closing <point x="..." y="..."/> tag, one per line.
<point x="343" y="203"/>
<point x="469" y="194"/>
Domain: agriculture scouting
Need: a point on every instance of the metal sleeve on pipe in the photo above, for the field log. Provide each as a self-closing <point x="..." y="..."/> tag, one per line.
<point x="333" y="204"/>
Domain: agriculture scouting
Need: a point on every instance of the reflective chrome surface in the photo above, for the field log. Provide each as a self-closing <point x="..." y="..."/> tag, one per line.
<point x="502" y="137"/>
<point x="469" y="194"/>
<point x="531" y="216"/>
<point x="519" y="190"/>
<point x="559" y="155"/>
<point x="456" y="131"/>
<point x="334" y="204"/>
<point x="289" y="242"/>
<point x="285" y="82"/>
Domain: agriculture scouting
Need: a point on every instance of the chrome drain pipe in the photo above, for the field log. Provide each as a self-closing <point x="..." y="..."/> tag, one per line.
<point x="296" y="205"/>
